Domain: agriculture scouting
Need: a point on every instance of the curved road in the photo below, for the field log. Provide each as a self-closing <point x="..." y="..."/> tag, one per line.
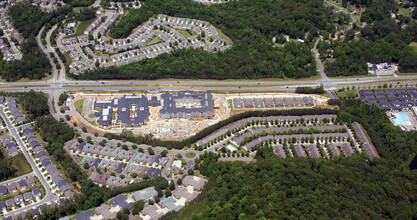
<point x="50" y="49"/>
<point x="46" y="52"/>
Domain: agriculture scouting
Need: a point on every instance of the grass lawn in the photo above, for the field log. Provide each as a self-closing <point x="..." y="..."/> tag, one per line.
<point x="406" y="11"/>
<point x="81" y="28"/>
<point x="77" y="9"/>
<point x="91" y="115"/>
<point x="185" y="33"/>
<point x="190" y="155"/>
<point x="100" y="53"/>
<point x="230" y="104"/>
<point x="406" y="74"/>
<point x="354" y="76"/>
<point x="68" y="58"/>
<point x="413" y="47"/>
<point x="155" y="40"/>
<point x="347" y="94"/>
<point x="21" y="164"/>
<point x="79" y="105"/>
<point x="222" y="35"/>
<point x="414" y="51"/>
<point x="94" y="123"/>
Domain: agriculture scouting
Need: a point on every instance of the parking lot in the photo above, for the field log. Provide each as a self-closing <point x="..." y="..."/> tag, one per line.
<point x="390" y="99"/>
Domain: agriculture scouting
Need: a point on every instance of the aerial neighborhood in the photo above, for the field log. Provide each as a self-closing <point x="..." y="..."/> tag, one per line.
<point x="208" y="109"/>
<point x="152" y="38"/>
<point x="11" y="39"/>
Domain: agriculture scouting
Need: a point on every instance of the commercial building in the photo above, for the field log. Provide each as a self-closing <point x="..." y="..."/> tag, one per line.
<point x="187" y="105"/>
<point x="132" y="111"/>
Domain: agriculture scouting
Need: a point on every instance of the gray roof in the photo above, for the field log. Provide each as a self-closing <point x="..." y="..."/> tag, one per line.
<point x="2" y="205"/>
<point x="36" y="192"/>
<point x="145" y="194"/>
<point x="120" y="200"/>
<point x="84" y="215"/>
<point x="10" y="203"/>
<point x="104" y="210"/>
<point x="30" y="181"/>
<point x="28" y="196"/>
<point x="22" y="183"/>
<point x="11" y="187"/>
<point x="204" y="99"/>
<point x="126" y="116"/>
<point x="170" y="204"/>
<point x="3" y="190"/>
<point x="196" y="182"/>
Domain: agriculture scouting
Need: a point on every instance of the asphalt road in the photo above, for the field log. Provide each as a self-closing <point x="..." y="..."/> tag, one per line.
<point x="46" y="52"/>
<point x="61" y="73"/>
<point x="318" y="61"/>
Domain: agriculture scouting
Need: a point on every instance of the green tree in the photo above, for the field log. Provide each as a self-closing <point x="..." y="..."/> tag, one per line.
<point x="137" y="207"/>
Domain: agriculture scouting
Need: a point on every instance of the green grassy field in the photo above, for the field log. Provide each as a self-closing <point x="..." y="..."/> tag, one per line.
<point x="94" y="123"/>
<point x="184" y="33"/>
<point x="77" y="9"/>
<point x="79" y="105"/>
<point x="230" y="103"/>
<point x="21" y="164"/>
<point x="155" y="40"/>
<point x="222" y="35"/>
<point x="347" y="94"/>
<point x="406" y="11"/>
<point x="413" y="47"/>
<point x="81" y="28"/>
<point x="68" y="58"/>
<point x="350" y="77"/>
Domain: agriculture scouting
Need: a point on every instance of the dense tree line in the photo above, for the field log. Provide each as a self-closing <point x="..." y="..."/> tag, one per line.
<point x="310" y="90"/>
<point x="28" y="20"/>
<point x="251" y="25"/>
<point x="7" y="170"/>
<point x="35" y="103"/>
<point x="147" y="139"/>
<point x="86" y="14"/>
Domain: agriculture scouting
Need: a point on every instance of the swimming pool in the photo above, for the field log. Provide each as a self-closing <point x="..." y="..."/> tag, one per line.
<point x="402" y="119"/>
<point x="231" y="148"/>
<point x="178" y="163"/>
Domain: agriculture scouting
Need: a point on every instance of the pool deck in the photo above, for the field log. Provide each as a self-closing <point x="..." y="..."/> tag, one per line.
<point x="398" y="120"/>
<point x="231" y="148"/>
